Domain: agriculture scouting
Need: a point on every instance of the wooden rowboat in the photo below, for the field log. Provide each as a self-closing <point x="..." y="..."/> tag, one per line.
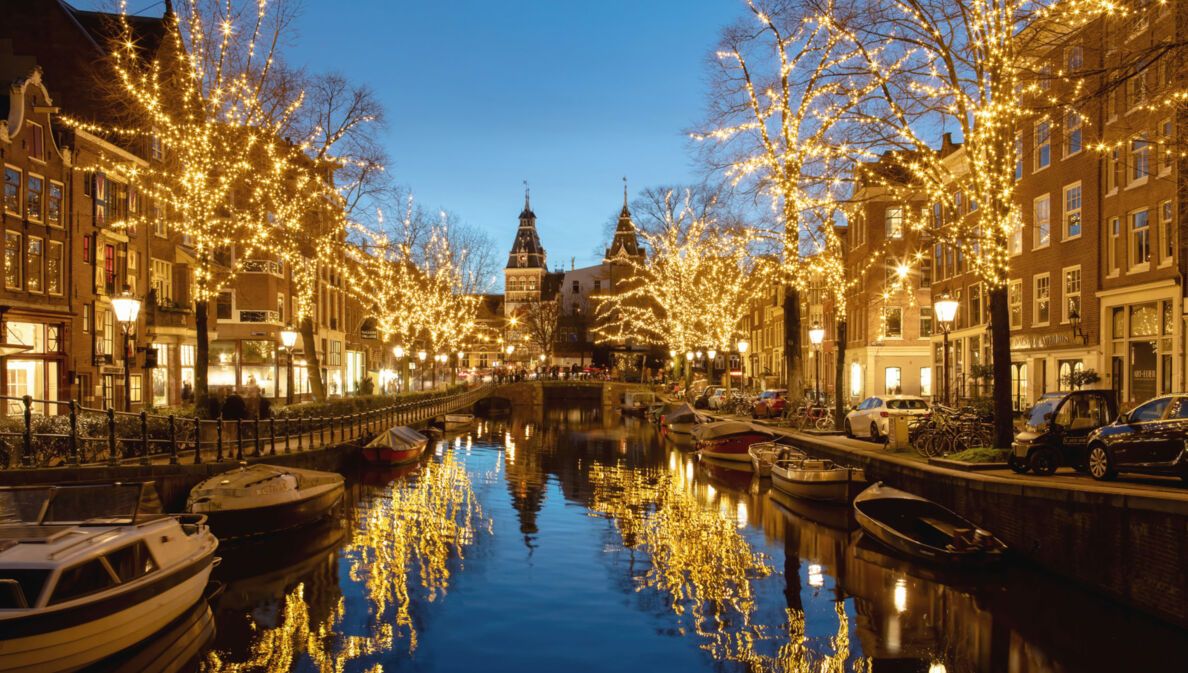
<point x="765" y="454"/>
<point x="396" y="446"/>
<point x="816" y="479"/>
<point x="923" y="529"/>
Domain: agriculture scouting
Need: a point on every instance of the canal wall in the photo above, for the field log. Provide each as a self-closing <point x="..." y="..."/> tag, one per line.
<point x="529" y="393"/>
<point x="1127" y="544"/>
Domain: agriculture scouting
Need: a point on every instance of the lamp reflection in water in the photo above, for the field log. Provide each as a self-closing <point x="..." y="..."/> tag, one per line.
<point x="406" y="534"/>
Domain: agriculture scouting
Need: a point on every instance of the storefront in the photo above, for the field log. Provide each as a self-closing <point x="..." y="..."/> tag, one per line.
<point x="1143" y="332"/>
<point x="34" y="372"/>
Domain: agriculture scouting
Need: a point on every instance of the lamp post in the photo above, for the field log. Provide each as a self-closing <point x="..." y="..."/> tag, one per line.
<point x="688" y="372"/>
<point x="742" y="357"/>
<point x="672" y="361"/>
<point x="817" y="335"/>
<point x="458" y="365"/>
<point x="709" y="365"/>
<point x="288" y="340"/>
<point x="402" y="365"/>
<point x="945" y="309"/>
<point x="421" y="357"/>
<point x="127" y="308"/>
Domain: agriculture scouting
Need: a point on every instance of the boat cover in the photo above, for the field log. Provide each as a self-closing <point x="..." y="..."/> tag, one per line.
<point x="728" y="428"/>
<point x="683" y="414"/>
<point x="400" y="437"/>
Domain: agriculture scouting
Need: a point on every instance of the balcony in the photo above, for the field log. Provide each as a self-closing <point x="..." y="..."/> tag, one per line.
<point x="259" y="316"/>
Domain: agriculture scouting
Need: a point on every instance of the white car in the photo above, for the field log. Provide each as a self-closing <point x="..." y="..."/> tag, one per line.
<point x="872" y="418"/>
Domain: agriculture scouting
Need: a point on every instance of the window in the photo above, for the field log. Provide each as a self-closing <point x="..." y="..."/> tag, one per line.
<point x="925" y="381"/>
<point x="1113" y="169"/>
<point x="893" y="379"/>
<point x="925" y="270"/>
<point x="133" y="264"/>
<point x="12" y="190"/>
<point x="893" y="218"/>
<point x="1075" y="58"/>
<point x="597" y="286"/>
<point x="1018" y="157"/>
<point x="53" y="205"/>
<point x="334" y="357"/>
<point x="34" y="187"/>
<point x="1151" y="411"/>
<point x="34" y="258"/>
<point x="1042" y="214"/>
<point x="53" y="268"/>
<point x="155" y="149"/>
<point x="1136" y="90"/>
<point x="12" y="260"/>
<point x="893" y="322"/>
<point x="1140" y="238"/>
<point x="36" y="141"/>
<point x="223" y="306"/>
<point x="1043" y="298"/>
<point x="1072" y="133"/>
<point x="162" y="280"/>
<point x="577" y="287"/>
<point x="975" y="304"/>
<point x="280" y="307"/>
<point x="86" y="318"/>
<point x="1115" y="241"/>
<point x="1166" y="152"/>
<point x="1072" y="211"/>
<point x="1140" y="157"/>
<point x="1016" y="242"/>
<point x="99" y="194"/>
<point x="86" y="249"/>
<point x="108" y="336"/>
<point x="132" y="561"/>
<point x="1167" y="234"/>
<point x="1072" y="292"/>
<point x="82" y="580"/>
<point x="109" y="269"/>
<point x="1043" y="144"/>
<point x="1015" y="303"/>
<point x="160" y="227"/>
<point x="134" y="388"/>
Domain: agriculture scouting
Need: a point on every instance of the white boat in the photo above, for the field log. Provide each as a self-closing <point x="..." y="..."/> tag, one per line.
<point x="765" y="454"/>
<point x="816" y="479"/>
<point x="638" y="402"/>
<point x="87" y="571"/>
<point x="455" y="421"/>
<point x="264" y="499"/>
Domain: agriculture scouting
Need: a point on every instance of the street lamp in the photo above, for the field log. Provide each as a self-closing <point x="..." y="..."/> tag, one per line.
<point x="127" y="308"/>
<point x="817" y="335"/>
<point x="945" y="309"/>
<point x="288" y="340"/>
<point x="743" y="345"/>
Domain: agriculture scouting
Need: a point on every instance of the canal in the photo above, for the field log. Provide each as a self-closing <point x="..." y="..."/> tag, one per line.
<point x="568" y="538"/>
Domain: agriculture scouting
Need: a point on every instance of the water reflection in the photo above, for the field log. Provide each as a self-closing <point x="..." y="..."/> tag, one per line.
<point x="570" y="538"/>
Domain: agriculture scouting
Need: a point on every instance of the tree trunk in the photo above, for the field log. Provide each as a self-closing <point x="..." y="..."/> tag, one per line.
<point x="793" y="364"/>
<point x="201" y="359"/>
<point x="839" y="377"/>
<point x="1000" y="335"/>
<point x="313" y="366"/>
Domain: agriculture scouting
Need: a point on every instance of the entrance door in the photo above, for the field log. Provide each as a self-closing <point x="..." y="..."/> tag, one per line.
<point x="1142" y="370"/>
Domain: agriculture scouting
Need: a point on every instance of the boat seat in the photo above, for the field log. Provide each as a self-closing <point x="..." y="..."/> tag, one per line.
<point x="944" y="534"/>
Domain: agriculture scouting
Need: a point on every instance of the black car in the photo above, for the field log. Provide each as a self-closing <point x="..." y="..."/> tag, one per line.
<point x="1151" y="438"/>
<point x="1058" y="428"/>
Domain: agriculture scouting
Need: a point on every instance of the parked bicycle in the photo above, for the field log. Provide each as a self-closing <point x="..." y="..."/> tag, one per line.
<point x="949" y="430"/>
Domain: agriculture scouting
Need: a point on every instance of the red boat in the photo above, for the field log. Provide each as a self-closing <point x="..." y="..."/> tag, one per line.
<point x="729" y="440"/>
<point x="396" y="446"/>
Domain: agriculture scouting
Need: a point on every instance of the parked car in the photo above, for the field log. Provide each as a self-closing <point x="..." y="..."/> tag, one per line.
<point x="702" y="400"/>
<point x="1151" y="439"/>
<point x="1058" y="429"/>
<point x="716" y="399"/>
<point x="771" y="403"/>
<point x="872" y="418"/>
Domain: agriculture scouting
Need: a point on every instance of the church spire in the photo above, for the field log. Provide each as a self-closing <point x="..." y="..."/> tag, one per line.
<point x="625" y="243"/>
<point x="526" y="191"/>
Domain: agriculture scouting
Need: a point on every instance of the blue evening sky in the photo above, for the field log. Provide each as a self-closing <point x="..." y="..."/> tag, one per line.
<point x="483" y="94"/>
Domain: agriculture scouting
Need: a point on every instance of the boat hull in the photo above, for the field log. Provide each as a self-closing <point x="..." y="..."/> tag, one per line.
<point x="834" y="486"/>
<point x="386" y="455"/>
<point x="732" y="447"/>
<point x="229" y="524"/>
<point x="876" y="525"/>
<point x="72" y="638"/>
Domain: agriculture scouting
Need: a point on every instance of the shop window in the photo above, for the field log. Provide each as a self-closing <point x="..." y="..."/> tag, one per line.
<point x="893" y="380"/>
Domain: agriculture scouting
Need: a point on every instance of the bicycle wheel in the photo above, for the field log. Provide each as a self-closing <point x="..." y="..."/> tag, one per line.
<point x="825" y="422"/>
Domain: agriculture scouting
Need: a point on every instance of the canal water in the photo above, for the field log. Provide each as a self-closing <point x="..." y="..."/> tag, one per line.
<point x="570" y="539"/>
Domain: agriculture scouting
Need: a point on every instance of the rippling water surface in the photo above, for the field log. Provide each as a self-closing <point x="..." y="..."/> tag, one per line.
<point x="570" y="539"/>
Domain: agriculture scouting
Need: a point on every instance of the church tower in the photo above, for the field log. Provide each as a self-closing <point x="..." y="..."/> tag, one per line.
<point x="524" y="275"/>
<point x="624" y="248"/>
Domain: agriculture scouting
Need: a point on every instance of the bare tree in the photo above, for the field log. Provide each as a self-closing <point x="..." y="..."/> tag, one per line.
<point x="541" y="320"/>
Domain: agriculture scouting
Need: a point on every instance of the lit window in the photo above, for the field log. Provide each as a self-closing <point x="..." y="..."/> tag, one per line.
<point x="53" y="205"/>
<point x="34" y="186"/>
<point x="894" y="222"/>
<point x="1043" y="144"/>
<point x="1140" y="237"/>
<point x="1018" y="157"/>
<point x="1015" y="302"/>
<point x="893" y="322"/>
<point x="1072" y="211"/>
<point x="12" y="190"/>
<point x="1115" y="242"/>
<point x="1043" y="221"/>
<point x="53" y="268"/>
<point x="894" y="380"/>
<point x="34" y="258"/>
<point x="1140" y="158"/>
<point x="13" y="259"/>
<point x="1072" y="292"/>
<point x="1043" y="297"/>
<point x="1073" y="126"/>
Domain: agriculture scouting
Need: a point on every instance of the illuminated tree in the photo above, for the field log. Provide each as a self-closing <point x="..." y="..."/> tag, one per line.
<point x="206" y="101"/>
<point x="785" y="80"/>
<point x="979" y="67"/>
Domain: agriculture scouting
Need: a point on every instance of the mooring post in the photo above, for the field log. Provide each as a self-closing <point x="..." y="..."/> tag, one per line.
<point x="74" y="459"/>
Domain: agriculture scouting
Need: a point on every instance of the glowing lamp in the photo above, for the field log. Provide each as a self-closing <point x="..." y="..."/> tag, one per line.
<point x="421" y="355"/>
<point x="743" y="346"/>
<point x="126" y="308"/>
<point x="945" y="308"/>
<point x="398" y="351"/>
<point x="712" y="353"/>
<point x="288" y="338"/>
<point x="817" y="334"/>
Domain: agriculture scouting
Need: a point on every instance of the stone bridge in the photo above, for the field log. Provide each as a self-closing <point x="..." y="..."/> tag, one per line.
<point x="605" y="393"/>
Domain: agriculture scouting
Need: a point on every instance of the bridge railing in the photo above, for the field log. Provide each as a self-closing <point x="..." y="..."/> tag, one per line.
<point x="52" y="433"/>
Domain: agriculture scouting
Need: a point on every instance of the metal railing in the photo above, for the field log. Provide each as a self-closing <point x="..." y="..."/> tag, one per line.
<point x="79" y="435"/>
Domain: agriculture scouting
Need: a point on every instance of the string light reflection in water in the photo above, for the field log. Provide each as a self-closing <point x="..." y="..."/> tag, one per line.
<point x="571" y="539"/>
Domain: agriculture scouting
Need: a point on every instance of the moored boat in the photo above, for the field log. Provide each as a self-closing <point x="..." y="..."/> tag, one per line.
<point x="729" y="440"/>
<point x="263" y="499"/>
<point x="816" y="479"/>
<point x="765" y="454"/>
<point x="682" y="420"/>
<point x="638" y="402"/>
<point x="396" y="446"/>
<point x="89" y="570"/>
<point x="458" y="421"/>
<point x="924" y="529"/>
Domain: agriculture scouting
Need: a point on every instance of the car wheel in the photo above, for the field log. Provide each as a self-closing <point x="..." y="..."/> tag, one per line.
<point x="874" y="432"/>
<point x="1101" y="463"/>
<point x="1044" y="461"/>
<point x="1018" y="464"/>
<point x="849" y="431"/>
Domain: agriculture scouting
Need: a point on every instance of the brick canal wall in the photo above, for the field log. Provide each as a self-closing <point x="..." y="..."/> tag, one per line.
<point x="1127" y="545"/>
